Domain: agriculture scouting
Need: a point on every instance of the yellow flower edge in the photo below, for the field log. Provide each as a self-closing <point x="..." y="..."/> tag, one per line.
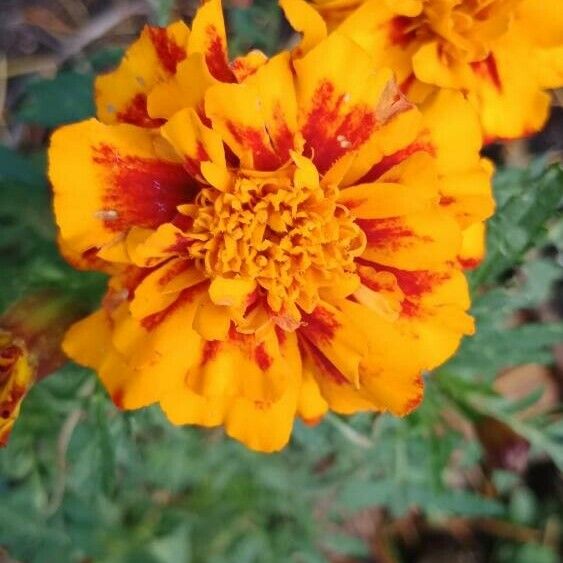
<point x="289" y="239"/>
<point x="502" y="55"/>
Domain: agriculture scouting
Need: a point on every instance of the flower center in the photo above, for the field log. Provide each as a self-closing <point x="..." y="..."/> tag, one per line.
<point x="292" y="240"/>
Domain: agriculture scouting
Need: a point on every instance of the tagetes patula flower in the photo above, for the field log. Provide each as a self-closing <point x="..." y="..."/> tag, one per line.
<point x="287" y="246"/>
<point x="31" y="331"/>
<point x="502" y="54"/>
<point x="17" y="374"/>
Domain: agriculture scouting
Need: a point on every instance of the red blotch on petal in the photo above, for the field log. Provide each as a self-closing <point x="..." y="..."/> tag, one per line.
<point x="401" y="31"/>
<point x="413" y="284"/>
<point x="281" y="135"/>
<point x="312" y="421"/>
<point x="263" y="359"/>
<point x="242" y="69"/>
<point x="325" y="366"/>
<point x="257" y="141"/>
<point x="408" y="83"/>
<point x="8" y="406"/>
<point x="171" y="273"/>
<point x="210" y="350"/>
<point x="136" y="113"/>
<point x="390" y="161"/>
<point x="469" y="263"/>
<point x="193" y="164"/>
<point x="415" y="401"/>
<point x="384" y="232"/>
<point x="168" y="51"/>
<point x="320" y="326"/>
<point x="186" y="296"/>
<point x="281" y="335"/>
<point x="142" y="192"/>
<point x="216" y="56"/>
<point x="488" y="69"/>
<point x="332" y="129"/>
<point x="416" y="283"/>
<point x="117" y="398"/>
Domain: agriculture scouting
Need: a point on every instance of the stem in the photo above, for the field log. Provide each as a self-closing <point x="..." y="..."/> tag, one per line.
<point x="348" y="432"/>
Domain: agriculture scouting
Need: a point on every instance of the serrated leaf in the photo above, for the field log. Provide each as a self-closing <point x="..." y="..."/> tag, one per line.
<point x="359" y="495"/>
<point x="490" y="351"/>
<point x="518" y="223"/>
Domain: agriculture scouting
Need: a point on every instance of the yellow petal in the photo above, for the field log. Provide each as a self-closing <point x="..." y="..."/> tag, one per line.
<point x="510" y="102"/>
<point x="413" y="242"/>
<point x="231" y="292"/>
<point x="185" y="89"/>
<point x="209" y="38"/>
<point x="338" y="94"/>
<point x="121" y="95"/>
<point x="304" y="19"/>
<point x="121" y="174"/>
<point x="332" y="333"/>
<point x="473" y="246"/>
<point x="266" y="425"/>
<point x="311" y="405"/>
<point x="194" y="142"/>
<point x="257" y="119"/>
<point x="160" y="288"/>
<point x="340" y="395"/>
<point x="212" y="322"/>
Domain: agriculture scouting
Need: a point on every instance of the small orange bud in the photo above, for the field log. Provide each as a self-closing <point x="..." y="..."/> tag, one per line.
<point x="17" y="374"/>
<point x="30" y="348"/>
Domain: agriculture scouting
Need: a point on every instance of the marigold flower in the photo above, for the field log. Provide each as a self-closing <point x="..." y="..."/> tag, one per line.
<point x="502" y="54"/>
<point x="16" y="377"/>
<point x="287" y="241"/>
<point x="31" y="331"/>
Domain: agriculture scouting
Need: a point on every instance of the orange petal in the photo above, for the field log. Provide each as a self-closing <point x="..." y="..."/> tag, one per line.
<point x="257" y="118"/>
<point x="413" y="242"/>
<point x="473" y="246"/>
<point x="304" y="19"/>
<point x="121" y="95"/>
<point x="209" y="38"/>
<point x="340" y="395"/>
<point x="339" y="93"/>
<point x="123" y="182"/>
<point x="335" y="336"/>
<point x="193" y="141"/>
<point x="266" y="425"/>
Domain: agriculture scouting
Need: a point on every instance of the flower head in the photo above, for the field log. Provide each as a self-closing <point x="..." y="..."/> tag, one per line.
<point x="16" y="377"/>
<point x="31" y="331"/>
<point x="288" y="243"/>
<point x="501" y="54"/>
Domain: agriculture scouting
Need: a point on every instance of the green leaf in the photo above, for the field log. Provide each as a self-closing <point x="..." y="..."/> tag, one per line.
<point x="64" y="99"/>
<point x="346" y="545"/>
<point x="16" y="168"/>
<point x="490" y="351"/>
<point x="358" y="495"/>
<point x="519" y="222"/>
<point x="255" y="27"/>
<point x="534" y="553"/>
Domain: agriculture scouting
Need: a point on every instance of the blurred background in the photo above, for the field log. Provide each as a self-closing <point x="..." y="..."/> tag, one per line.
<point x="473" y="476"/>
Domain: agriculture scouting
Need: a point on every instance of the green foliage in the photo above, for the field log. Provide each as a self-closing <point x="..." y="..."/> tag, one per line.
<point x="528" y="199"/>
<point x="65" y="99"/>
<point x="258" y="27"/>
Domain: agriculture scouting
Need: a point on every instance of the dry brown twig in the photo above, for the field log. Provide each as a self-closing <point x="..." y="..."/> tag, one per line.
<point x="92" y="31"/>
